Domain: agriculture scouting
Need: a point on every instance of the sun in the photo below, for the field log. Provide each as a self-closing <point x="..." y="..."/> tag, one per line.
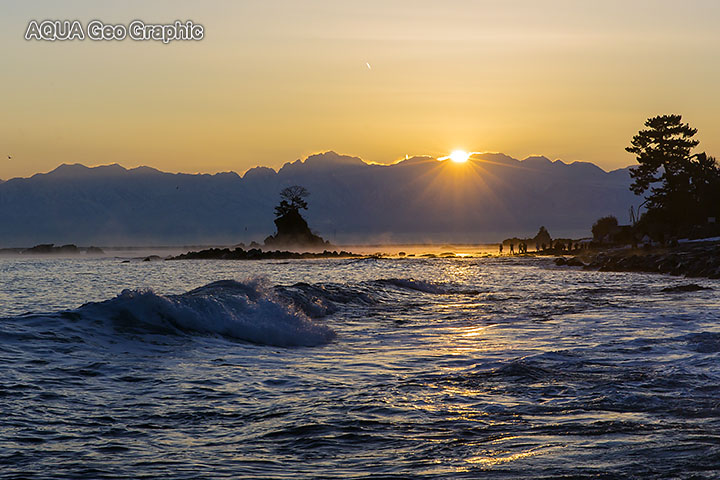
<point x="459" y="156"/>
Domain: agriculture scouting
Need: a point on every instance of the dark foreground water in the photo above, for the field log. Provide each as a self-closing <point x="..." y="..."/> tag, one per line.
<point x="400" y="368"/>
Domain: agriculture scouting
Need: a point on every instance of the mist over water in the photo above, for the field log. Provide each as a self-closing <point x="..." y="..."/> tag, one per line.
<point x="354" y="368"/>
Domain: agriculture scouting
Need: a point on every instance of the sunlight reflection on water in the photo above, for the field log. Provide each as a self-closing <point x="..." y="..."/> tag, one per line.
<point x="439" y="368"/>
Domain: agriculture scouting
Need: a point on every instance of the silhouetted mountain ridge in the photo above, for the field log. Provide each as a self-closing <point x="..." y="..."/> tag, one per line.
<point x="419" y="199"/>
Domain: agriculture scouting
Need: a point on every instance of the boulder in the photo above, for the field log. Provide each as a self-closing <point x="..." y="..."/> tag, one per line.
<point x="574" y="262"/>
<point x="691" y="287"/>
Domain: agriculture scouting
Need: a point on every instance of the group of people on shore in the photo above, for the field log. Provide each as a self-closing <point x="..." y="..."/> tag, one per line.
<point x="522" y="248"/>
<point x="559" y="246"/>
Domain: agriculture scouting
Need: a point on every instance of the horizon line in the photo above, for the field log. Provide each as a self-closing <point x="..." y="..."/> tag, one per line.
<point x="472" y="156"/>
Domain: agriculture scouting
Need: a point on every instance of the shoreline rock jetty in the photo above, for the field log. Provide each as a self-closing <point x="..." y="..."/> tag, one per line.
<point x="257" y="254"/>
<point x="692" y="259"/>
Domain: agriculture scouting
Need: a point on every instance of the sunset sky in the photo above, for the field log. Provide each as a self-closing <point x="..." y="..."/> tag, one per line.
<point x="273" y="81"/>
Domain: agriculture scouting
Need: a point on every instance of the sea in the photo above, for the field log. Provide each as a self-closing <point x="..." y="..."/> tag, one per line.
<point x="378" y="367"/>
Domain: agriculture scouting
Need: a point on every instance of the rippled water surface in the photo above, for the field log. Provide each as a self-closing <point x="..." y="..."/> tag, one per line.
<point x="382" y="368"/>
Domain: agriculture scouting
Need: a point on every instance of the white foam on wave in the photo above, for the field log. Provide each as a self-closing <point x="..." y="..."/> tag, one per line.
<point x="248" y="311"/>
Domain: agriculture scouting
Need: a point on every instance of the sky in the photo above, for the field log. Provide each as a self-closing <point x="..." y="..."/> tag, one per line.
<point x="273" y="81"/>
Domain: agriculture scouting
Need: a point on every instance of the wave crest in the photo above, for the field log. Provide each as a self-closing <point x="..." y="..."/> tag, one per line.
<point x="248" y="311"/>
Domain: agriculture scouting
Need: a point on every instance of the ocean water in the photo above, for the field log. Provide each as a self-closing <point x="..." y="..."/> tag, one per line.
<point x="370" y="368"/>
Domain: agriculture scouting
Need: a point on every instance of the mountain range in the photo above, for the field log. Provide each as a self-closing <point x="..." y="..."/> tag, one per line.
<point x="417" y="200"/>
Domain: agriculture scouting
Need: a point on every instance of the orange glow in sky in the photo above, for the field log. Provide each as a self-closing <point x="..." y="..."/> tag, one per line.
<point x="273" y="81"/>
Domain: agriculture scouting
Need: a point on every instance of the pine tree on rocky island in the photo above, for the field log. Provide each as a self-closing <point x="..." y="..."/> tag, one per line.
<point x="292" y="229"/>
<point x="293" y="198"/>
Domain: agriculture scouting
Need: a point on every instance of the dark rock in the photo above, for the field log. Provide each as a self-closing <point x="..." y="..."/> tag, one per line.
<point x="257" y="254"/>
<point x="42" y="248"/>
<point x="690" y="287"/>
<point x="542" y="237"/>
<point x="51" y="249"/>
<point x="574" y="262"/>
<point x="693" y="261"/>
<point x="293" y="230"/>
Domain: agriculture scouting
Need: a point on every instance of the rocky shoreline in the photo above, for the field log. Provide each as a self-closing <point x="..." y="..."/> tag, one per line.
<point x="693" y="260"/>
<point x="257" y="254"/>
<point x="52" y="249"/>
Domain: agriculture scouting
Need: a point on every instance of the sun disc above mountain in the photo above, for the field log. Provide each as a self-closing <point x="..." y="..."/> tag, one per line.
<point x="459" y="156"/>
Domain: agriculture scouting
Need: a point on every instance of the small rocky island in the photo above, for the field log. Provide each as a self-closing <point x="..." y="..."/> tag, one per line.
<point x="292" y="229"/>
<point x="293" y="233"/>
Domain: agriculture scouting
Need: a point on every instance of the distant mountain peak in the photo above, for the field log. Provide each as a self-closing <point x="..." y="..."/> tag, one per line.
<point x="65" y="170"/>
<point x="537" y="159"/>
<point x="331" y="157"/>
<point x="69" y="167"/>
<point x="585" y="165"/>
<point x="494" y="157"/>
<point x="143" y="170"/>
<point x="76" y="170"/>
<point x="258" y="172"/>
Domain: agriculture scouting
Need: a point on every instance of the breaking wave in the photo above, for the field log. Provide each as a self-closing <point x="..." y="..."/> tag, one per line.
<point x="253" y="310"/>
<point x="250" y="311"/>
